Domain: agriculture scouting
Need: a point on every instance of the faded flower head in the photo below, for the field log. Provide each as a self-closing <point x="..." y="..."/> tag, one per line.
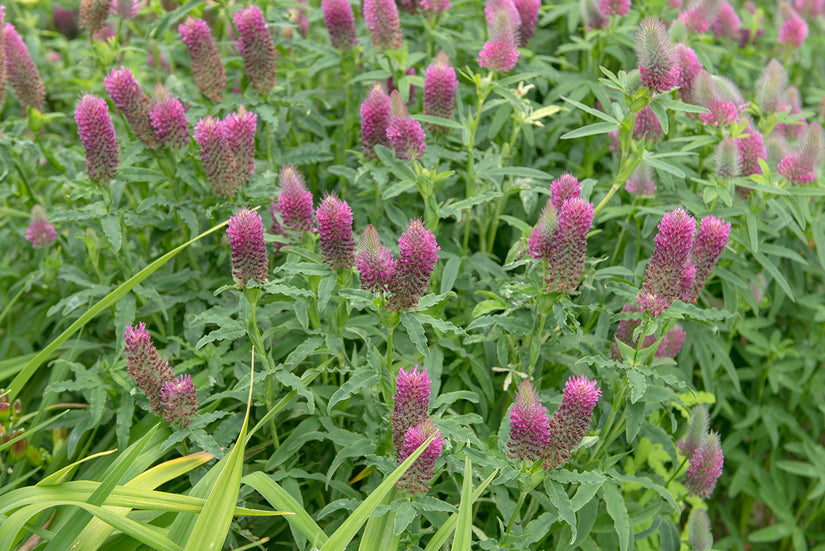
<point x="340" y="23"/>
<point x="671" y="343"/>
<point x="440" y="84"/>
<point x="383" y="23"/>
<point x="412" y="400"/>
<point x="727" y="161"/>
<point x="658" y="62"/>
<point x="541" y="239"/>
<point x="21" y="70"/>
<point x="674" y="240"/>
<point x="40" y="232"/>
<point x="529" y="425"/>
<point x="335" y="232"/>
<point x="218" y="162"/>
<point x="566" y="254"/>
<point x="711" y="239"/>
<point x="641" y="181"/>
<point x="500" y="52"/>
<point x="647" y="125"/>
<point x="625" y="330"/>
<point x="256" y="48"/>
<point x="705" y="466"/>
<point x="133" y="102"/>
<point x="168" y="119"/>
<point x="295" y="201"/>
<point x="179" y="400"/>
<point x="417" y="258"/>
<point x="799" y="166"/>
<point x="417" y="478"/>
<point x="207" y="68"/>
<point x="698" y="427"/>
<point x="96" y="131"/>
<point x="93" y="14"/>
<point x="144" y="364"/>
<point x="246" y="238"/>
<point x="794" y="29"/>
<point x="239" y="128"/>
<point x="569" y="423"/>
<point x="614" y="7"/>
<point x="770" y="87"/>
<point x="376" y="114"/>
<point x="751" y="148"/>
<point x="374" y="261"/>
<point x="700" y="537"/>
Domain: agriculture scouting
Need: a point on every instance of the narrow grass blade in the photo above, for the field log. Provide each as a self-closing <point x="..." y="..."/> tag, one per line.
<point x="29" y="432"/>
<point x="63" y="473"/>
<point x="463" y="539"/>
<point x="27" y="372"/>
<point x="379" y="532"/>
<point x="440" y="537"/>
<point x="339" y="540"/>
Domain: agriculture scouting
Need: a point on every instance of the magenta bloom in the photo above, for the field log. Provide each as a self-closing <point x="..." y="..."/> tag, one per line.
<point x="528" y="12"/>
<point x="340" y="23"/>
<point x="2" y="52"/>
<point x="419" y="253"/>
<point x="207" y="68"/>
<point x="133" y="102"/>
<point x="727" y="23"/>
<point x="412" y="400"/>
<point x="21" y="70"/>
<point x="799" y="166"/>
<point x="407" y="137"/>
<point x="376" y="114"/>
<point x="540" y="241"/>
<point x="179" y="400"/>
<point x="697" y="430"/>
<point x="614" y="7"/>
<point x="751" y="148"/>
<point x="727" y="161"/>
<point x="565" y="261"/>
<point x="705" y="467"/>
<point x="93" y="14"/>
<point x="722" y="113"/>
<point x="435" y="7"/>
<point x="689" y="67"/>
<point x="651" y="303"/>
<point x="168" y="119"/>
<point x="383" y="23"/>
<point x="256" y="48"/>
<point x="125" y="9"/>
<point x="375" y="262"/>
<point x="529" y="425"/>
<point x="647" y="125"/>
<point x="500" y="52"/>
<point x="295" y="201"/>
<point x="592" y="15"/>
<point x="641" y="181"/>
<point x="144" y="364"/>
<point x="417" y="478"/>
<point x="674" y="240"/>
<point x="440" y="84"/>
<point x="794" y="29"/>
<point x="335" y="232"/>
<point x="246" y="238"/>
<point x="711" y="239"/>
<point x="563" y="188"/>
<point x="40" y="232"/>
<point x="671" y="343"/>
<point x="218" y="162"/>
<point x="569" y="423"/>
<point x="688" y="276"/>
<point x="625" y="329"/>
<point x="658" y="62"/>
<point x="96" y="131"/>
<point x="239" y="128"/>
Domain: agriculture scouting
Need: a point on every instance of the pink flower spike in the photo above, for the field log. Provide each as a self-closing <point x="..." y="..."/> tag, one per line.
<point x="641" y="181"/>
<point x="689" y="67"/>
<point x="700" y="536"/>
<point x="96" y="131"/>
<point x="563" y="188"/>
<point x="566" y="254"/>
<point x="711" y="239"/>
<point x="435" y="7"/>
<point x="529" y="425"/>
<point x="528" y="11"/>
<point x="179" y="399"/>
<point x="376" y="114"/>
<point x="674" y="240"/>
<point x="417" y="478"/>
<point x="125" y="9"/>
<point x="722" y="113"/>
<point x="412" y="400"/>
<point x="218" y="162"/>
<point x="374" y="261"/>
<point x="671" y="343"/>
<point x="207" y="68"/>
<point x="407" y="137"/>
<point x="500" y="52"/>
<point x="383" y="23"/>
<point x="647" y="125"/>
<point x="144" y="364"/>
<point x="21" y="70"/>
<point x="541" y="239"/>
<point x="569" y="423"/>
<point x="246" y="238"/>
<point x="794" y="30"/>
<point x="727" y="161"/>
<point x="93" y="14"/>
<point x="705" y="467"/>
<point x="2" y="52"/>
<point x="652" y="303"/>
<point x="727" y="23"/>
<point x="770" y="87"/>
<point x="40" y="232"/>
<point x="751" y="148"/>
<point x="340" y="23"/>
<point x="614" y="7"/>
<point x="168" y="119"/>
<point x="698" y="426"/>
<point x="295" y="201"/>
<point x="133" y="102"/>
<point x="239" y="128"/>
<point x="440" y="85"/>
<point x="256" y="48"/>
<point x="656" y="52"/>
<point x="419" y="253"/>
<point x="335" y="233"/>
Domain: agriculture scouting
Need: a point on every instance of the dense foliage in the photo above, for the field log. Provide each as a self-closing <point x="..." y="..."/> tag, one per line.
<point x="489" y="276"/>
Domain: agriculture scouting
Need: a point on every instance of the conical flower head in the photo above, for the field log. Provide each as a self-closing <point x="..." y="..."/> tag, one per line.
<point x="374" y="261"/>
<point x="592" y="15"/>
<point x="569" y="423"/>
<point x="207" y="68"/>
<point x="705" y="466"/>
<point x="529" y="425"/>
<point x="295" y="201"/>
<point x="674" y="240"/>
<point x="440" y="85"/>
<point x="21" y="70"/>
<point x="407" y="137"/>
<point x="563" y="188"/>
<point x="698" y="427"/>
<point x="614" y="7"/>
<point x="2" y="52"/>
<point x="125" y="9"/>
<point x="376" y="114"/>
<point x="239" y="128"/>
<point x="93" y="14"/>
<point x="794" y="29"/>
<point x="647" y="125"/>
<point x="419" y="253"/>
<point x="641" y="181"/>
<point x="689" y="67"/>
<point x="168" y="119"/>
<point x="751" y="148"/>
<point x="658" y="62"/>
<point x="711" y="238"/>
<point x="256" y="48"/>
<point x="96" y="131"/>
<point x="179" y="400"/>
<point x="700" y="537"/>
<point x="133" y="102"/>
<point x="383" y="23"/>
<point x="722" y="113"/>
<point x="40" y="232"/>
<point x="727" y="23"/>
<point x="500" y="52"/>
<point x="688" y="277"/>
<point x="412" y="400"/>
<point x="566" y="254"/>
<point x="435" y="7"/>
<point x="218" y="162"/>
<point x="652" y="303"/>
<point x="340" y="23"/>
<point x="528" y="12"/>
<point x="770" y="87"/>
<point x="727" y="161"/>
<point x="671" y="343"/>
<point x="144" y="364"/>
<point x="799" y="166"/>
<point x="541" y="239"/>
<point x="335" y="232"/>
<point x="417" y="478"/>
<point x="246" y="238"/>
<point x="700" y="14"/>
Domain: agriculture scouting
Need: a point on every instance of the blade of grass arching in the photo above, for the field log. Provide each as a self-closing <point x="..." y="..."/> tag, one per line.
<point x="27" y="372"/>
<point x="463" y="539"/>
<point x="29" y="432"/>
<point x="283" y="501"/>
<point x="440" y="537"/>
<point x="12" y="366"/>
<point x="75" y="524"/>
<point x="339" y="540"/>
<point x="57" y="476"/>
<point x="213" y="523"/>
<point x="379" y="533"/>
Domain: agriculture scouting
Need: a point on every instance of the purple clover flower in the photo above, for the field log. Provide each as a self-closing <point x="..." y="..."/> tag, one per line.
<point x="149" y="372"/>
<point x="239" y="128"/>
<point x="207" y="68"/>
<point x="412" y="400"/>
<point x="566" y="254"/>
<point x="179" y="400"/>
<point x="340" y="23"/>
<point x="93" y="14"/>
<point x="440" y="85"/>
<point x="658" y="62"/>
<point x="383" y="23"/>
<point x="133" y="102"/>
<point x="376" y="115"/>
<point x="97" y="133"/>
<point x="40" y="232"/>
<point x="168" y="118"/>
<point x="375" y="262"/>
<point x="663" y="276"/>
<point x="295" y="201"/>
<point x="419" y="253"/>
<point x="417" y="478"/>
<point x="218" y="162"/>
<point x="569" y="423"/>
<point x="529" y="425"/>
<point x="711" y="239"/>
<point x="256" y="48"/>
<point x="335" y="232"/>
<point x="246" y="238"/>
<point x="705" y="466"/>
<point x="21" y="70"/>
<point x="541" y="239"/>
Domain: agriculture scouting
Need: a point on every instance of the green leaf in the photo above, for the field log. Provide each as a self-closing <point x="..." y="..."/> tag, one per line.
<point x="614" y="501"/>
<point x="595" y="112"/>
<point x="440" y="121"/>
<point x="362" y="378"/>
<point x="463" y="538"/>
<point x="440" y="537"/>
<point x="415" y="331"/>
<point x="777" y="275"/>
<point x="591" y="130"/>
<point x="558" y="497"/>
<point x="111" y="227"/>
<point x="771" y="533"/>
<point x="752" y="232"/>
<point x="449" y="274"/>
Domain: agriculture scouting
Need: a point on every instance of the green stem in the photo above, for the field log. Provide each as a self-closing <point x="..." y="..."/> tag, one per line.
<point x="482" y="92"/>
<point x="519" y="503"/>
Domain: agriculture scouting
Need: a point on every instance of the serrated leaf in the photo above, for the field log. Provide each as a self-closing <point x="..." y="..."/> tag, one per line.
<point x="416" y="332"/>
<point x="558" y="497"/>
<point x="362" y="378"/>
<point x="441" y="325"/>
<point x="614" y="502"/>
<point x="111" y="228"/>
